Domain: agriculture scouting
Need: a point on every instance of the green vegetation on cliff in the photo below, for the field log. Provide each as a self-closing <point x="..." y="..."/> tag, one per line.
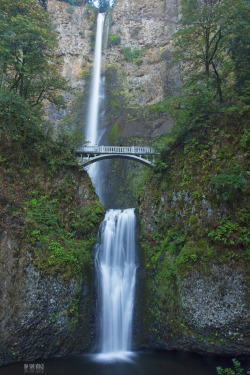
<point x="194" y="206"/>
<point x="237" y="370"/>
<point x="45" y="197"/>
<point x="210" y="133"/>
<point x="27" y="47"/>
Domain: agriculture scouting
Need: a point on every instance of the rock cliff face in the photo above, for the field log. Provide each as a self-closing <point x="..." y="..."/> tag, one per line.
<point x="132" y="84"/>
<point x="138" y="69"/>
<point x="74" y="54"/>
<point x="46" y="278"/>
<point x="149" y="27"/>
<point x="194" y="234"/>
<point x="38" y="311"/>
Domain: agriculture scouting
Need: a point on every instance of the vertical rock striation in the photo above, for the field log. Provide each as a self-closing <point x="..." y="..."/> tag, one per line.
<point x="137" y="81"/>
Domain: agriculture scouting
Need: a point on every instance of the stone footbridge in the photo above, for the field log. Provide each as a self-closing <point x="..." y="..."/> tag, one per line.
<point x="91" y="154"/>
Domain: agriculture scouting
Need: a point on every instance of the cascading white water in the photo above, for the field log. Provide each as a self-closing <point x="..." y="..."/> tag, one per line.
<point x="115" y="259"/>
<point x="116" y="268"/>
<point x="93" y="111"/>
<point x="91" y="134"/>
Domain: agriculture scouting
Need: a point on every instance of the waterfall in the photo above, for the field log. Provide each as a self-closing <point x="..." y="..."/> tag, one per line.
<point x="92" y="133"/>
<point x="93" y="111"/>
<point x="116" y="269"/>
<point x="115" y="257"/>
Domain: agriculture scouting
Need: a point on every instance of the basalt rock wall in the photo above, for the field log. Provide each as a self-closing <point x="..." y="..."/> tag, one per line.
<point x="139" y="70"/>
<point x="47" y="273"/>
<point x="132" y="83"/>
<point x="194" y="238"/>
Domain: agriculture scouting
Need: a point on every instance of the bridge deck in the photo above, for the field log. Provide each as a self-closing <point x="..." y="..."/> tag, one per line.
<point x="131" y="150"/>
<point x="91" y="154"/>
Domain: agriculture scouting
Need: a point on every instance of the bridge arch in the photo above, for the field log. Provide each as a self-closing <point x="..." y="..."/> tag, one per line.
<point x="87" y="161"/>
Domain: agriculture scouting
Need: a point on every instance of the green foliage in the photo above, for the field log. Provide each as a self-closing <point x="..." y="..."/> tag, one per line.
<point x="23" y="126"/>
<point x="75" y="2"/>
<point x="27" y="45"/>
<point x="85" y="73"/>
<point x="210" y="49"/>
<point x="139" y="61"/>
<point x="193" y="220"/>
<point x="230" y="233"/>
<point x="89" y="11"/>
<point x="237" y="370"/>
<point x="114" y="39"/>
<point x="59" y="230"/>
<point x="92" y="41"/>
<point x="129" y="54"/>
<point x="239" y="48"/>
<point x="194" y="204"/>
<point x="113" y="134"/>
<point x="60" y="242"/>
<point x="201" y="43"/>
<point x="53" y="318"/>
<point x="245" y="139"/>
<point x="229" y="182"/>
<point x="18" y="120"/>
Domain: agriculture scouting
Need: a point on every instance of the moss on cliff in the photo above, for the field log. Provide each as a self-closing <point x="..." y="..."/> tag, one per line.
<point x="53" y="207"/>
<point x="194" y="226"/>
<point x="49" y="219"/>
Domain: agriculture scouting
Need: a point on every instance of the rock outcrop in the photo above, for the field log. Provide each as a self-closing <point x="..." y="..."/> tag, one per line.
<point x="38" y="311"/>
<point x="132" y="84"/>
<point x="48" y="227"/>
<point x="74" y="53"/>
<point x="138" y="69"/>
<point x="194" y="235"/>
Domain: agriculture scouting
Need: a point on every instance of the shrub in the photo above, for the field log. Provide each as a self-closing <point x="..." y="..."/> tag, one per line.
<point x="114" y="40"/>
<point x="113" y="134"/>
<point x="129" y="54"/>
<point x="229" y="182"/>
<point x="238" y="370"/>
<point x="85" y="73"/>
<point x="75" y="2"/>
<point x="139" y="61"/>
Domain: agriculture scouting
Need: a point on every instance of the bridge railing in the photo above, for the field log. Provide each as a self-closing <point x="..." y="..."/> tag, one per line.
<point x="135" y="150"/>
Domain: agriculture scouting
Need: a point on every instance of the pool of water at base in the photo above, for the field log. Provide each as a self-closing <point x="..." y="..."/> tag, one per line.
<point x="138" y="363"/>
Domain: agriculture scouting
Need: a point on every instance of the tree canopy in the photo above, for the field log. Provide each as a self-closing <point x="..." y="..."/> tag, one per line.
<point x="27" y="48"/>
<point x="211" y="49"/>
<point x="204" y="41"/>
<point x="28" y="76"/>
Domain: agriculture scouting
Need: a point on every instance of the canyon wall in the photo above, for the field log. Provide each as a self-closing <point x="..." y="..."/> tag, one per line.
<point x="48" y="227"/>
<point x="132" y="84"/>
<point x="194" y="236"/>
<point x="138" y="69"/>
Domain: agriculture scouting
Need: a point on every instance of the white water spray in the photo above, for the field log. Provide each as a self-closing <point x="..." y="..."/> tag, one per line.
<point x="115" y="262"/>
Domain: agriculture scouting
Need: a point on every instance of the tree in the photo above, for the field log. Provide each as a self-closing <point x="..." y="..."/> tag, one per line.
<point x="27" y="47"/>
<point x="239" y="48"/>
<point x="202" y="42"/>
<point x="211" y="50"/>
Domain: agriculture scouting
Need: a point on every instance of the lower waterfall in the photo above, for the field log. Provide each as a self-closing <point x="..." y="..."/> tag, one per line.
<point x="116" y="269"/>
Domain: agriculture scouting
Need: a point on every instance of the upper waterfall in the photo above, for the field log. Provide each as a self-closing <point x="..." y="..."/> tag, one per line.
<point x="93" y="110"/>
